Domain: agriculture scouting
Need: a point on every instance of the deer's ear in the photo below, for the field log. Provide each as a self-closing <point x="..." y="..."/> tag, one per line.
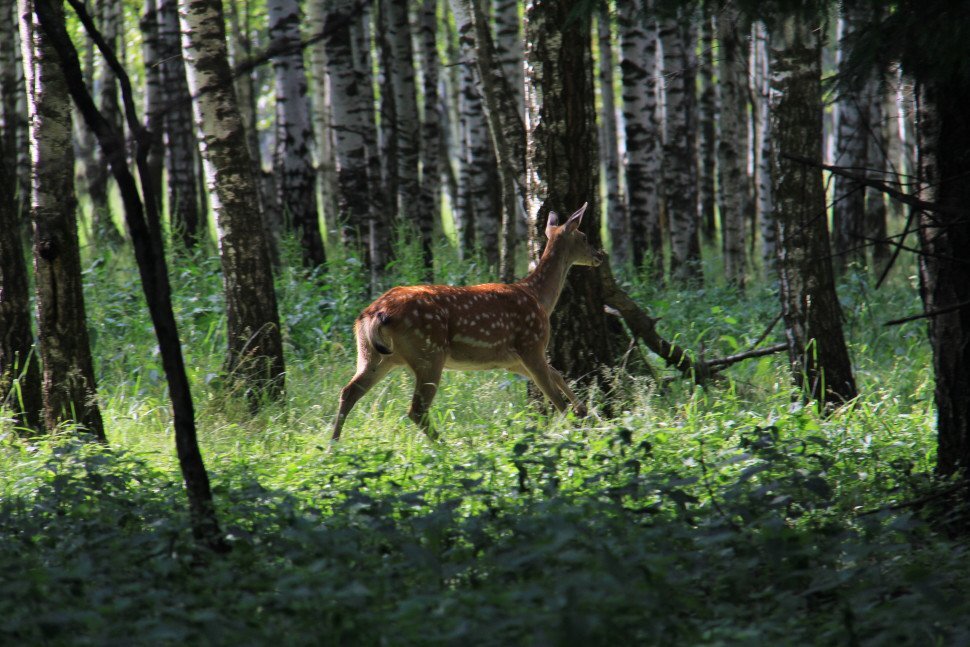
<point x="551" y="222"/>
<point x="575" y="219"/>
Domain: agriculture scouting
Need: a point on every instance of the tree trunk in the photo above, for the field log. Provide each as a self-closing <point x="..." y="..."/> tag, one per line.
<point x="20" y="390"/>
<point x="429" y="212"/>
<point x="111" y="25"/>
<point x="761" y="144"/>
<point x="185" y="208"/>
<point x="241" y="50"/>
<point x="154" y="110"/>
<point x="707" y="149"/>
<point x="644" y="146"/>
<point x="877" y="147"/>
<point x="255" y="353"/>
<point x="848" y="210"/>
<point x="407" y="125"/>
<point x="144" y="224"/>
<point x="680" y="162"/>
<point x="732" y="148"/>
<point x="944" y="163"/>
<point x="69" y="391"/>
<point x="293" y="162"/>
<point x="813" y="317"/>
<point x="563" y="173"/>
<point x="322" y="126"/>
<point x="617" y="220"/>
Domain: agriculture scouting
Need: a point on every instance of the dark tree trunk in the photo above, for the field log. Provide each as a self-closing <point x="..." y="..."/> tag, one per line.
<point x="429" y="211"/>
<point x="813" y="317"/>
<point x="255" y="355"/>
<point x="563" y="174"/>
<point x="68" y="374"/>
<point x="146" y="237"/>
<point x="944" y="164"/>
<point x="186" y="209"/>
<point x="19" y="373"/>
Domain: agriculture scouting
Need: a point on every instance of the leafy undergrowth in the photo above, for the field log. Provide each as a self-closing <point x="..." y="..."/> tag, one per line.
<point x="719" y="516"/>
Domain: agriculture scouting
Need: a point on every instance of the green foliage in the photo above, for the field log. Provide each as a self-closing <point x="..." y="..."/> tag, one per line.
<point x="720" y="516"/>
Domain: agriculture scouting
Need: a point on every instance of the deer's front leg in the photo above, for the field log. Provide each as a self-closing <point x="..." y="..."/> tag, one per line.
<point x="536" y="367"/>
<point x="427" y="375"/>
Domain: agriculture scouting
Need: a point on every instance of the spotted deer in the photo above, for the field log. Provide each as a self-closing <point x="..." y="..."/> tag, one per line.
<point x="428" y="328"/>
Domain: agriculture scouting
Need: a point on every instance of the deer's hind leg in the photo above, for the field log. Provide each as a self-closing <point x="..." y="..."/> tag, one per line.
<point x="371" y="369"/>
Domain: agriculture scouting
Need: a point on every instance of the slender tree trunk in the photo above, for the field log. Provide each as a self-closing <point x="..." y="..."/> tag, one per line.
<point x="240" y="50"/>
<point x="429" y="211"/>
<point x="761" y="144"/>
<point x="479" y="205"/>
<point x="617" y="220"/>
<point x="644" y="146"/>
<point x="185" y="208"/>
<point x="111" y="16"/>
<point x="154" y="110"/>
<point x="69" y="391"/>
<point x="563" y="172"/>
<point x="732" y="149"/>
<point x="813" y="317"/>
<point x="707" y="153"/>
<point x="680" y="162"/>
<point x="293" y="160"/>
<point x="944" y="163"/>
<point x="20" y="390"/>
<point x="510" y="52"/>
<point x="407" y="124"/>
<point x="877" y="145"/>
<point x="505" y="125"/>
<point x="255" y="353"/>
<point x="144" y="224"/>
<point x="322" y="126"/>
<point x="851" y="146"/>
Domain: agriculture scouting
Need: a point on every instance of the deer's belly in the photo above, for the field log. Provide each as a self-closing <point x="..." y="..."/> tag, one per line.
<point x="468" y="357"/>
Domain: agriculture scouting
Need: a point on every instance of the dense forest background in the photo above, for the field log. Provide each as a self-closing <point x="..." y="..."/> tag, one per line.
<point x="198" y="197"/>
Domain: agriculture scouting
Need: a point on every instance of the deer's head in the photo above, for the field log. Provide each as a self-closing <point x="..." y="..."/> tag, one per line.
<point x="567" y="240"/>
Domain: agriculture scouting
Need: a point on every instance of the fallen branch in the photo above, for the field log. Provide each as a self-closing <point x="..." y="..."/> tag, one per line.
<point x="927" y="315"/>
<point x="644" y="327"/>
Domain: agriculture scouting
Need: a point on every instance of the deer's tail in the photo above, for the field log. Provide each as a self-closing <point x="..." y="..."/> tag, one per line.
<point x="370" y="331"/>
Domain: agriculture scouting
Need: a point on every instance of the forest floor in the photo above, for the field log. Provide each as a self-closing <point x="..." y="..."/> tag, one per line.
<point x="725" y="515"/>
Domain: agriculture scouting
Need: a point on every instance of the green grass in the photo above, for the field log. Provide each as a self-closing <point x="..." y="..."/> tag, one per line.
<point x="730" y="515"/>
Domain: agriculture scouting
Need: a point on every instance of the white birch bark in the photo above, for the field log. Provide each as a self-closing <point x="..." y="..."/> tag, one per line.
<point x="618" y="224"/>
<point x="255" y="352"/>
<point x="407" y="121"/>
<point x="292" y="159"/>
<point x="848" y="210"/>
<point x="644" y="147"/>
<point x="429" y="212"/>
<point x="761" y="143"/>
<point x="322" y="108"/>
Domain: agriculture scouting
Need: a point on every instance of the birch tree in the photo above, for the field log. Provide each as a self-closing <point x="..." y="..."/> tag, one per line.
<point x="851" y="147"/>
<point x="563" y="172"/>
<point x="732" y="146"/>
<point x="680" y="162"/>
<point x="616" y="217"/>
<point x="429" y="210"/>
<point x="707" y="113"/>
<point x="68" y="384"/>
<point x="644" y="150"/>
<point x="292" y="159"/>
<point x="322" y="110"/>
<point x="813" y="317"/>
<point x="759" y="86"/>
<point x="255" y="353"/>
<point x="185" y="206"/>
<point x="20" y="390"/>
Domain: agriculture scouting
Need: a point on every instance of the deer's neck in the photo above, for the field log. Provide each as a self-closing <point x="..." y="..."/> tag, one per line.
<point x="547" y="279"/>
